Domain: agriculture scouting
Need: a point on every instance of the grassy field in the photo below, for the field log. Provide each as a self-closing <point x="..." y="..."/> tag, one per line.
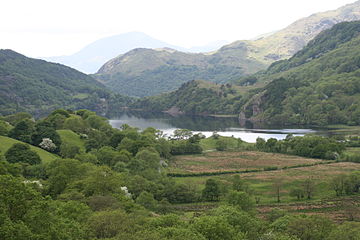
<point x="69" y="137"/>
<point x="231" y="161"/>
<point x="262" y="183"/>
<point x="6" y="143"/>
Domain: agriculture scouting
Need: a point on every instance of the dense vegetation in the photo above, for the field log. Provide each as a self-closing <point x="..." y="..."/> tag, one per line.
<point x="111" y="184"/>
<point x="319" y="85"/>
<point x="38" y="86"/>
<point x="308" y="146"/>
<point x="196" y="98"/>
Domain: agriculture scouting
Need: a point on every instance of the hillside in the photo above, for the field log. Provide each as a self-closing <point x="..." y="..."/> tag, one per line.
<point x="196" y="98"/>
<point x="38" y="86"/>
<point x="319" y="85"/>
<point x="147" y="72"/>
<point x="45" y="156"/>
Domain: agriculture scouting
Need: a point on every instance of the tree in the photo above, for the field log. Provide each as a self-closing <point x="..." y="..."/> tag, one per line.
<point x="313" y="227"/>
<point x="147" y="200"/>
<point x="239" y="184"/>
<point x="309" y="187"/>
<point x="76" y="124"/>
<point x="214" y="228"/>
<point x="241" y="200"/>
<point x="182" y="134"/>
<point x="21" y="153"/>
<point x="47" y="144"/>
<point x="43" y="130"/>
<point x="69" y="150"/>
<point x="211" y="192"/>
<point x="338" y="184"/>
<point x="260" y="144"/>
<point x="108" y="224"/>
<point x="23" y="130"/>
<point x="221" y="144"/>
<point x="277" y="186"/>
<point x="298" y="193"/>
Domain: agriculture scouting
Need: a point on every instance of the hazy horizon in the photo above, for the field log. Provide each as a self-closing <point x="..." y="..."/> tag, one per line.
<point x="55" y="28"/>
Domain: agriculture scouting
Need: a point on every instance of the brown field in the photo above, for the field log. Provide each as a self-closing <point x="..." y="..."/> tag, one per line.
<point x="323" y="172"/>
<point x="232" y="161"/>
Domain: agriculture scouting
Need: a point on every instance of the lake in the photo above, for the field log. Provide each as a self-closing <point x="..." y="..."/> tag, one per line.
<point x="205" y="125"/>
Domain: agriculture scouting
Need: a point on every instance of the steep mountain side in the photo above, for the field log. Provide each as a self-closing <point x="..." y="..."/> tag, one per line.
<point x="286" y="42"/>
<point x="146" y="72"/>
<point x="319" y="85"/>
<point x="149" y="72"/>
<point x="37" y="86"/>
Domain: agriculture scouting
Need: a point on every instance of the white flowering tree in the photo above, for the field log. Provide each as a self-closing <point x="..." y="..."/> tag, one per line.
<point x="47" y="144"/>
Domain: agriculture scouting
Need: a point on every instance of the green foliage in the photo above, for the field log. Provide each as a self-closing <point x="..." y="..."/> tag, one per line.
<point x="43" y="130"/>
<point x="346" y="231"/>
<point x="214" y="228"/>
<point x="23" y="130"/>
<point x="147" y="200"/>
<point x="34" y="85"/>
<point x="5" y="127"/>
<point x="211" y="192"/>
<point x="312" y="227"/>
<point x="241" y="200"/>
<point x="307" y="146"/>
<point x="195" y="97"/>
<point x="108" y="224"/>
<point x="317" y="86"/>
<point x="84" y="198"/>
<point x="21" y="153"/>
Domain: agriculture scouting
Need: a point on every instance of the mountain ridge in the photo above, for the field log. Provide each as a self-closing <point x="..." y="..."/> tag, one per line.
<point x="227" y="64"/>
<point x="91" y="57"/>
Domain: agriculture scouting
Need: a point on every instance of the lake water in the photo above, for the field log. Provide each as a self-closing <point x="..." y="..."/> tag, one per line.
<point x="205" y="125"/>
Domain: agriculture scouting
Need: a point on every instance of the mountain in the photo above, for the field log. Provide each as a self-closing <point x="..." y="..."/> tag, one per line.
<point x="146" y="72"/>
<point x="37" y="86"/>
<point x="286" y="42"/>
<point x="93" y="56"/>
<point x="319" y="85"/>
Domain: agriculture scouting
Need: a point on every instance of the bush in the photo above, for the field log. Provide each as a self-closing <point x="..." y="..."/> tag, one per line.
<point x="20" y="152"/>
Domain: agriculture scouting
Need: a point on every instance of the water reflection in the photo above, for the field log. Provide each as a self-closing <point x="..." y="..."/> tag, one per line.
<point x="205" y="125"/>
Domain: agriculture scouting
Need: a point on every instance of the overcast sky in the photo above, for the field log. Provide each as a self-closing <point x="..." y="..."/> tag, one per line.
<point x="61" y="27"/>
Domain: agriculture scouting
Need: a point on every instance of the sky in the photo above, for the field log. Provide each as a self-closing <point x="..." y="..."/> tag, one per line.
<point x="62" y="27"/>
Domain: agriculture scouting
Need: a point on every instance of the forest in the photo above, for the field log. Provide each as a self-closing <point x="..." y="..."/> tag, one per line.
<point x="70" y="175"/>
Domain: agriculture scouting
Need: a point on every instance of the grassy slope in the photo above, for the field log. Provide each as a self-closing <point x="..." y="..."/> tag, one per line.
<point x="72" y="138"/>
<point x="6" y="143"/>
